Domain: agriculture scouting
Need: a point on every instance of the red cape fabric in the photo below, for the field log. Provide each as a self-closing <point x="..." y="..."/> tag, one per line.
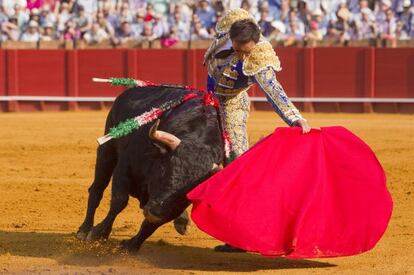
<point x="322" y="194"/>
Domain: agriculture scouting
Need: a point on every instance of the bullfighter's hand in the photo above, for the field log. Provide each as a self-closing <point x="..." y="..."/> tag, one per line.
<point x="303" y="123"/>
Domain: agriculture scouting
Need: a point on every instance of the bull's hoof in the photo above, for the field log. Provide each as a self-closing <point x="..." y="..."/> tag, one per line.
<point x="81" y="235"/>
<point x="98" y="233"/>
<point x="181" y="224"/>
<point x="129" y="246"/>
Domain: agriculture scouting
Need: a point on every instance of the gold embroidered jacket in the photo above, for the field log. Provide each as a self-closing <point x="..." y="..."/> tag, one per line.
<point x="230" y="76"/>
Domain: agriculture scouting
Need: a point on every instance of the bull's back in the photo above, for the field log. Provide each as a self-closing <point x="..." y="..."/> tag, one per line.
<point x="135" y="101"/>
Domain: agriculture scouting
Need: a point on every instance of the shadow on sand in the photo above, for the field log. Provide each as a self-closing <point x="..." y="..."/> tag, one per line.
<point x="66" y="249"/>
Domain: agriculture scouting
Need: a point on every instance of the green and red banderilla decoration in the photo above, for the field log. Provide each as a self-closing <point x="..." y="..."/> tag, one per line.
<point x="127" y="82"/>
<point x="128" y="126"/>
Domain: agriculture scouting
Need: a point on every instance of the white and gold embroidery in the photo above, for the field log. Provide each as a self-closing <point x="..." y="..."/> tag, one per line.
<point x="261" y="57"/>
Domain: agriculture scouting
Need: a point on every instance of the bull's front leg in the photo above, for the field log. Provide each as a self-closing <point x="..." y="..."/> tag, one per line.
<point x="119" y="200"/>
<point x="134" y="244"/>
<point x="181" y="223"/>
<point x="105" y="163"/>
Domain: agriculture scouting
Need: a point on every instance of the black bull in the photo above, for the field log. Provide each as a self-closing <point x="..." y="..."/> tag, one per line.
<point x="146" y="169"/>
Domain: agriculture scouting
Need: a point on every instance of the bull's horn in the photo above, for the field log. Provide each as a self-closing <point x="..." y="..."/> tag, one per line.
<point x="163" y="137"/>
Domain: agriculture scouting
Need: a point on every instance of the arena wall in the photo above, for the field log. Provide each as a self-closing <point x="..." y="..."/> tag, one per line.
<point x="317" y="79"/>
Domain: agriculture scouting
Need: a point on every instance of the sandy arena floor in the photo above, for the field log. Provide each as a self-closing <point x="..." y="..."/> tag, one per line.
<point x="47" y="164"/>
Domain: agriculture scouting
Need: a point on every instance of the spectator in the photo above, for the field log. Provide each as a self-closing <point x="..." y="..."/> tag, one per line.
<point x="274" y="7"/>
<point x="293" y="16"/>
<point x="159" y="26"/>
<point x="384" y="5"/>
<point x="160" y="6"/>
<point x="317" y="16"/>
<point x="218" y="6"/>
<point x="10" y="5"/>
<point x="3" y="15"/>
<point x="89" y="6"/>
<point x="246" y="5"/>
<point x="303" y="14"/>
<point x="400" y="33"/>
<point x="294" y="34"/>
<point x="34" y="4"/>
<point x="171" y="38"/>
<point x="137" y="25"/>
<point x="32" y="33"/>
<point x="205" y="13"/>
<point x="366" y="26"/>
<point x="212" y="29"/>
<point x="200" y="33"/>
<point x="332" y="34"/>
<point x="407" y="18"/>
<point x="21" y="15"/>
<point x="353" y="5"/>
<point x="48" y="32"/>
<point x="314" y="34"/>
<point x="137" y="5"/>
<point x="110" y="16"/>
<point x="47" y="17"/>
<point x="35" y="15"/>
<point x="104" y="24"/>
<point x="10" y="30"/>
<point x="363" y="6"/>
<point x="125" y="13"/>
<point x="95" y="35"/>
<point x="52" y="4"/>
<point x="147" y="34"/>
<point x="182" y="27"/>
<point x="277" y="33"/>
<point x="302" y="19"/>
<point x="71" y="33"/>
<point x="124" y="33"/>
<point x="388" y="27"/>
<point x="63" y="17"/>
<point x="82" y="21"/>
<point x="264" y="21"/>
<point x="284" y="11"/>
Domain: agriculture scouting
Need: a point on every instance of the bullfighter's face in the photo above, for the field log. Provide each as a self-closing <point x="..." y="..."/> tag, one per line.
<point x="243" y="50"/>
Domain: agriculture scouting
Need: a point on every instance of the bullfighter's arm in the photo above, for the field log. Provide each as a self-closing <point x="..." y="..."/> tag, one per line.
<point x="277" y="97"/>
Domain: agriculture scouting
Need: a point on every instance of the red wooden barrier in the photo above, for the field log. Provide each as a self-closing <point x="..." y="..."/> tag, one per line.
<point x="307" y="72"/>
<point x="292" y="75"/>
<point x="40" y="72"/>
<point x="161" y="66"/>
<point x="3" y="88"/>
<point x="99" y="63"/>
<point x="2" y="73"/>
<point x="394" y="73"/>
<point x="339" y="72"/>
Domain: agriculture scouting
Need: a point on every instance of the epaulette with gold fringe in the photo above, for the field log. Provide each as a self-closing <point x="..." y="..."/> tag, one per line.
<point x="261" y="57"/>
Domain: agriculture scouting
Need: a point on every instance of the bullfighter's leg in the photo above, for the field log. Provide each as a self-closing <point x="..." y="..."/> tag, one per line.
<point x="236" y="110"/>
<point x="105" y="163"/>
<point x="119" y="200"/>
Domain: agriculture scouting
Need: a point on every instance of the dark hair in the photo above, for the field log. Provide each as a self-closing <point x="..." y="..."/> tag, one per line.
<point x="244" y="31"/>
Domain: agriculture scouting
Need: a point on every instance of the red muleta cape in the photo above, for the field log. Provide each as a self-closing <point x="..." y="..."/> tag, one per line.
<point x="321" y="194"/>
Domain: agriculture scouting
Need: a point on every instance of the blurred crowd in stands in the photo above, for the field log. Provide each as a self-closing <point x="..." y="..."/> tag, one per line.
<point x="281" y="21"/>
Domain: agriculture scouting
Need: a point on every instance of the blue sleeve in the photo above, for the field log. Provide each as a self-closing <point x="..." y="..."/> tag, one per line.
<point x="276" y="96"/>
